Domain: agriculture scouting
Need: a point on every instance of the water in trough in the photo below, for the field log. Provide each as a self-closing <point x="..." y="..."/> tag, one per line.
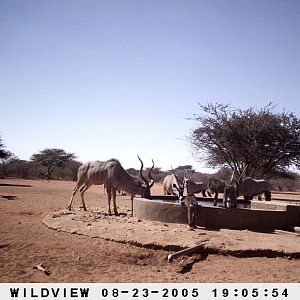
<point x="202" y="201"/>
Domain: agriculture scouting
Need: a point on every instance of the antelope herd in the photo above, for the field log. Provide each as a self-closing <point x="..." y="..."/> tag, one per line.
<point x="114" y="177"/>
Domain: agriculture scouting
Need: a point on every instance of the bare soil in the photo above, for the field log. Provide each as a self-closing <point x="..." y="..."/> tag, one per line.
<point x="108" y="256"/>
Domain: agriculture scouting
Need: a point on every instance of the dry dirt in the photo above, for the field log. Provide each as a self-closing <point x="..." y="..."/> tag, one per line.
<point x="109" y="254"/>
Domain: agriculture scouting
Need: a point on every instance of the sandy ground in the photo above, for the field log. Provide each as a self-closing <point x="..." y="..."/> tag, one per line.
<point x="106" y="252"/>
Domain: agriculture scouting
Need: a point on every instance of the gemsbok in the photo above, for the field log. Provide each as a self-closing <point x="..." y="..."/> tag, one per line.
<point x="114" y="176"/>
<point x="196" y="187"/>
<point x="215" y="186"/>
<point x="248" y="188"/>
<point x="172" y="185"/>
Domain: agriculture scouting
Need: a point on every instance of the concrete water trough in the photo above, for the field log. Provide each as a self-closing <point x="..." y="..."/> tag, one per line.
<point x="253" y="216"/>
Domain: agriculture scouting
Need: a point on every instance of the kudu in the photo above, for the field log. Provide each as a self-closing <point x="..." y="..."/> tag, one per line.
<point x="190" y="201"/>
<point x="112" y="174"/>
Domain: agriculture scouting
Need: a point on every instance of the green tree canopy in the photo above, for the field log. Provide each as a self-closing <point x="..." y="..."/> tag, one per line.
<point x="258" y="142"/>
<point x="52" y="159"/>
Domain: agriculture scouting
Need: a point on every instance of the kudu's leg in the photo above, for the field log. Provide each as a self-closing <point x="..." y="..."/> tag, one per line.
<point x="190" y="202"/>
<point x="108" y="189"/>
<point x="82" y="191"/>
<point x="132" y="205"/>
<point x="114" y="194"/>
<point x="216" y="199"/>
<point x="73" y="194"/>
<point x="192" y="215"/>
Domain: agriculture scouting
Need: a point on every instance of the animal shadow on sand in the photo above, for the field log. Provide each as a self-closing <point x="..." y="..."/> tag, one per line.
<point x="8" y="197"/>
<point x="17" y="185"/>
<point x="187" y="263"/>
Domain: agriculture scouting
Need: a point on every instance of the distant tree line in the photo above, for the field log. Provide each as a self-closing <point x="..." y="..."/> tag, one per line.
<point x="47" y="164"/>
<point x="66" y="167"/>
<point x="253" y="142"/>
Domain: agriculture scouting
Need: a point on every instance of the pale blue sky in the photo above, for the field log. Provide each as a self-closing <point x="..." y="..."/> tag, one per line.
<point x="112" y="78"/>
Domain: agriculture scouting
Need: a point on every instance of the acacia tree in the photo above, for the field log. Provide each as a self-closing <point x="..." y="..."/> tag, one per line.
<point x="5" y="161"/>
<point x="257" y="142"/>
<point x="3" y="153"/>
<point x="52" y="159"/>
